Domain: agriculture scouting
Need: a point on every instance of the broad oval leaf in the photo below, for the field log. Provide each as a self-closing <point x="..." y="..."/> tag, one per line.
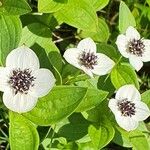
<point x="92" y="98"/>
<point x="126" y="18"/>
<point x="108" y="50"/>
<point x="139" y="140"/>
<point x="101" y="34"/>
<point x="38" y="37"/>
<point x="135" y="139"/>
<point x="101" y="135"/>
<point x="10" y="34"/>
<point x="79" y="14"/>
<point x="22" y="133"/>
<point x="121" y="137"/>
<point x="14" y="7"/>
<point x="99" y="4"/>
<point x="49" y="6"/>
<point x="146" y="97"/>
<point x="124" y="74"/>
<point x="58" y="104"/>
<point x="38" y="34"/>
<point x="76" y="129"/>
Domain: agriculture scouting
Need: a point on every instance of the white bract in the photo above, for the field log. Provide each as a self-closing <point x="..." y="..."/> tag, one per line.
<point x="132" y="46"/>
<point x="22" y="80"/>
<point x="85" y="58"/>
<point x="128" y="107"/>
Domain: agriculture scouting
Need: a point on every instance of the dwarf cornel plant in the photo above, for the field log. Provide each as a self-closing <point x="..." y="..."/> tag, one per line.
<point x="74" y="74"/>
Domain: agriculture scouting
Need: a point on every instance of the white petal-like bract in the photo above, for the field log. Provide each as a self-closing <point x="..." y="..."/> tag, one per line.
<point x="136" y="62"/>
<point x="20" y="103"/>
<point x="87" y="45"/>
<point x="22" y="81"/>
<point x="84" y="57"/>
<point x="104" y="65"/>
<point x="44" y="82"/>
<point x="132" y="33"/>
<point x="146" y="54"/>
<point x="128" y="91"/>
<point x="113" y="105"/>
<point x="4" y="73"/>
<point x="142" y="111"/>
<point x="71" y="55"/>
<point x="22" y="57"/>
<point x="122" y="44"/>
<point x="132" y="46"/>
<point x="128" y="108"/>
<point x="127" y="123"/>
<point x="87" y="71"/>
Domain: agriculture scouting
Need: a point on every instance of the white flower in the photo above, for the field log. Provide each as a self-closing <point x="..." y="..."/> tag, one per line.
<point x="22" y="81"/>
<point x="132" y="46"/>
<point x="128" y="108"/>
<point x="85" y="58"/>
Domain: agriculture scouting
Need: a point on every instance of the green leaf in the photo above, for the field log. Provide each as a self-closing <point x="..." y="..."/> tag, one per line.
<point x="22" y="133"/>
<point x="79" y="14"/>
<point x="104" y="83"/>
<point x="47" y="20"/>
<point x="14" y="7"/>
<point x="38" y="37"/>
<point x="124" y="74"/>
<point x="138" y="140"/>
<point x="135" y="139"/>
<point x="37" y="34"/>
<point x="88" y="82"/>
<point x="92" y="99"/>
<point x="99" y="4"/>
<point x="75" y="129"/>
<point x="146" y="97"/>
<point x="148" y="2"/>
<point x="58" y="104"/>
<point x="101" y="135"/>
<point x="49" y="6"/>
<point x="121" y="138"/>
<point x="101" y="34"/>
<point x="93" y="96"/>
<point x="86" y="146"/>
<point x="10" y="34"/>
<point x="126" y="18"/>
<point x="108" y="50"/>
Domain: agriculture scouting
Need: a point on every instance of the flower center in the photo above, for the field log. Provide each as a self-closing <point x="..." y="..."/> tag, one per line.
<point x="89" y="60"/>
<point x="136" y="47"/>
<point x="126" y="108"/>
<point x="21" y="81"/>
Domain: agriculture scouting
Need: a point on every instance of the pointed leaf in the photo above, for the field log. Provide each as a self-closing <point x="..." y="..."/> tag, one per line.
<point x="22" y="133"/>
<point x="126" y="18"/>
<point x="10" y="34"/>
<point x="124" y="74"/>
<point x="49" y="6"/>
<point x="79" y="14"/>
<point x="14" y="7"/>
<point x="58" y="104"/>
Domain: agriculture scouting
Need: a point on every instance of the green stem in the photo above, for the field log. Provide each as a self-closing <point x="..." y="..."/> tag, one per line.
<point x="3" y="133"/>
<point x="52" y="137"/>
<point x="113" y="68"/>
